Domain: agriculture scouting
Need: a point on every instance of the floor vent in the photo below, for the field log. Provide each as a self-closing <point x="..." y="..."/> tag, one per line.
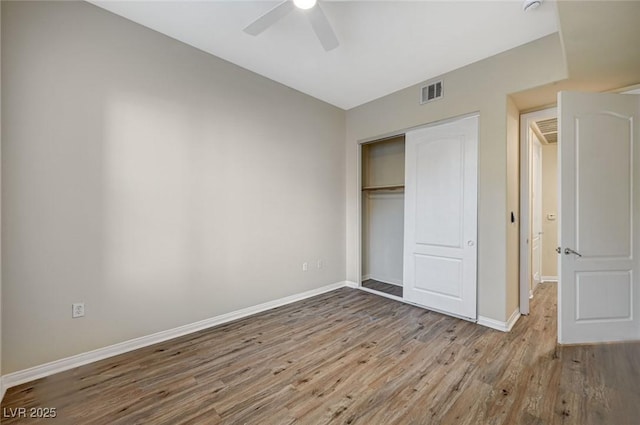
<point x="431" y="92"/>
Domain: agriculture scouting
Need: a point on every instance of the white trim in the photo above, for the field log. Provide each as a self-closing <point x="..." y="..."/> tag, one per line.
<point x="497" y="324"/>
<point x="358" y="235"/>
<point x="513" y="319"/>
<point x="366" y="277"/>
<point x="550" y="279"/>
<point x="492" y="323"/>
<point x="47" y="369"/>
<point x="350" y="284"/>
<point x="3" y="389"/>
<point x="384" y="294"/>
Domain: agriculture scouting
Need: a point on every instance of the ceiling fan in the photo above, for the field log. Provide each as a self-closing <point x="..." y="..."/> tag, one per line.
<point x="318" y="19"/>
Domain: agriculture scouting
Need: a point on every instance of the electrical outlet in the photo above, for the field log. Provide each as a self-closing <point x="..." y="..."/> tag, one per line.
<point x="77" y="310"/>
<point x="305" y="266"/>
<point x="319" y="264"/>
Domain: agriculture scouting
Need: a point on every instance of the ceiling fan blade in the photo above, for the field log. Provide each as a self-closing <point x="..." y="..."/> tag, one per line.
<point x="322" y="28"/>
<point x="269" y="18"/>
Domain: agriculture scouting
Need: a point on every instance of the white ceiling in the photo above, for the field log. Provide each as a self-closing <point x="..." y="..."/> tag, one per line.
<point x="385" y="46"/>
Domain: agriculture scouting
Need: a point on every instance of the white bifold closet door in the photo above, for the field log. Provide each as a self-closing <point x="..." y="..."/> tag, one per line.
<point x="440" y="230"/>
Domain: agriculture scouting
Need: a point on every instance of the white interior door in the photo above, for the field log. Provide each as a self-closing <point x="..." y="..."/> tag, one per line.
<point x="440" y="255"/>
<point x="599" y="290"/>
<point x="536" y="214"/>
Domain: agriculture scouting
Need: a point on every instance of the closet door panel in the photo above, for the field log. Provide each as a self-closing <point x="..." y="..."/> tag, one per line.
<point x="440" y="255"/>
<point x="439" y="192"/>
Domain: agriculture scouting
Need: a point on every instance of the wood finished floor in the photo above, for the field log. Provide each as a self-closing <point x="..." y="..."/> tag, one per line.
<point x="349" y="357"/>
<point x="383" y="287"/>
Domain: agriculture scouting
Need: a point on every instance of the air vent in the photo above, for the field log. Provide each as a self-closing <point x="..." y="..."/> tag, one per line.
<point x="551" y="138"/>
<point x="548" y="126"/>
<point x="431" y="92"/>
<point x="547" y="130"/>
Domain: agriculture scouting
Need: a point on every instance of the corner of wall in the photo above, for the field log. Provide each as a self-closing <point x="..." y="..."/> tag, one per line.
<point x="563" y="48"/>
<point x="502" y="326"/>
<point x="513" y="208"/>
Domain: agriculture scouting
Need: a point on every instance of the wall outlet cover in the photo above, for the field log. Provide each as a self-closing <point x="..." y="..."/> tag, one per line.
<point x="77" y="310"/>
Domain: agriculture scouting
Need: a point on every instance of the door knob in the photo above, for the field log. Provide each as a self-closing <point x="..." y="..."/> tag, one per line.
<point x="568" y="251"/>
<point x="470" y="243"/>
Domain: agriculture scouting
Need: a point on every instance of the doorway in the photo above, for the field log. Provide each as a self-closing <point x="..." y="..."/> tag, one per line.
<point x="598" y="164"/>
<point x="538" y="202"/>
<point x="382" y="202"/>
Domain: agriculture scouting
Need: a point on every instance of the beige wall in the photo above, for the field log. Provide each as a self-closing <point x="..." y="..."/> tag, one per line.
<point x="154" y="182"/>
<point x="549" y="206"/>
<point x="1" y="394"/>
<point x="513" y="205"/>
<point x="483" y="87"/>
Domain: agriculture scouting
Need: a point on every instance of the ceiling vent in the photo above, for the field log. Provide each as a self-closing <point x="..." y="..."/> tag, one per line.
<point x="431" y="92"/>
<point x="547" y="130"/>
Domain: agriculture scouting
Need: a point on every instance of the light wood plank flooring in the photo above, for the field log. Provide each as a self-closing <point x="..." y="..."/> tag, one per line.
<point x="349" y="357"/>
<point x="383" y="287"/>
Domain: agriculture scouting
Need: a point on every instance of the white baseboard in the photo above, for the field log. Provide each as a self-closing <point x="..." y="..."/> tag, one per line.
<point x="513" y="319"/>
<point x="37" y="372"/>
<point x="551" y="279"/>
<point x="497" y="324"/>
<point x="3" y="389"/>
<point x="350" y="284"/>
<point x="366" y="277"/>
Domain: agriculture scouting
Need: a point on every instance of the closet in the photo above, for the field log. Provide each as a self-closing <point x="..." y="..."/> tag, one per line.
<point x="419" y="216"/>
<point x="383" y="215"/>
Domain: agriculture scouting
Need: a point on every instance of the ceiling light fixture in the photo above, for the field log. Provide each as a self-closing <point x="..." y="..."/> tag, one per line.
<point x="304" y="4"/>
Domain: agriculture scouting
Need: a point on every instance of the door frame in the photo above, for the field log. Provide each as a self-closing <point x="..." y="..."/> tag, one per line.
<point x="359" y="211"/>
<point x="525" y="201"/>
<point x="525" y="266"/>
<point x="358" y="180"/>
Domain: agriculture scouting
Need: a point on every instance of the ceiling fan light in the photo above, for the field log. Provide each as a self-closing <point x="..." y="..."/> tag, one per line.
<point x="304" y="4"/>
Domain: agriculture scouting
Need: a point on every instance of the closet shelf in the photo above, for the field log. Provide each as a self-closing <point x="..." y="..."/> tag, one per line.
<point x="383" y="187"/>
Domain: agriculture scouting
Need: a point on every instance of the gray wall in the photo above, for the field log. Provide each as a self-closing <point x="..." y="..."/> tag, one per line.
<point x="154" y="182"/>
<point x="480" y="87"/>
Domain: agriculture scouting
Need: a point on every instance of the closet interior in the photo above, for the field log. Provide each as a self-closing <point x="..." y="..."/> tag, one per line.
<point x="383" y="215"/>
